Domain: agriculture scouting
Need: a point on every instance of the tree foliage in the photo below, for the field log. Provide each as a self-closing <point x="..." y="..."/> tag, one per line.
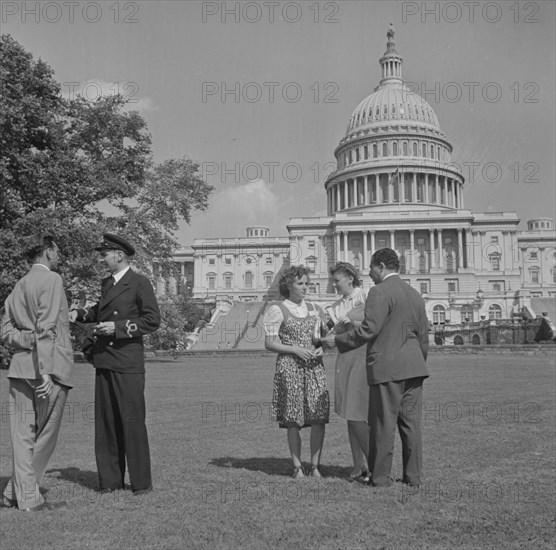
<point x="80" y="168"/>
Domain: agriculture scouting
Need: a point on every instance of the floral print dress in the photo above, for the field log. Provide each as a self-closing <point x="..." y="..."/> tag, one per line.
<point x="300" y="395"/>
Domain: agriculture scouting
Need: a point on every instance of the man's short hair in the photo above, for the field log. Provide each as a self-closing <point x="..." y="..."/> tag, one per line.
<point x="289" y="276"/>
<point x="387" y="257"/>
<point x="36" y="244"/>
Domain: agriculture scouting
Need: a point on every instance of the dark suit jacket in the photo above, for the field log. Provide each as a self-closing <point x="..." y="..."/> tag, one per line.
<point x="132" y="306"/>
<point x="395" y="329"/>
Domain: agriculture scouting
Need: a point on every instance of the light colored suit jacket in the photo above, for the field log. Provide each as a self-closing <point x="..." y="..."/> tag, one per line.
<point x="36" y="324"/>
<point x="395" y="330"/>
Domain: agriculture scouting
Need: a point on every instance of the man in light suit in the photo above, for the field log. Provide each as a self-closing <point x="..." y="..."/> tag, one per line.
<point x="395" y="330"/>
<point x="127" y="310"/>
<point x="36" y="324"/>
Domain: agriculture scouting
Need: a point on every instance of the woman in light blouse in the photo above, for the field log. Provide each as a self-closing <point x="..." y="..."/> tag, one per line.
<point x="351" y="392"/>
<point x="300" y="397"/>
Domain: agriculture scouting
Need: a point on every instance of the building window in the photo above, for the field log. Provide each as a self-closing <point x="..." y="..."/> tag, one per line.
<point x="248" y="279"/>
<point x="268" y="260"/>
<point x="494" y="239"/>
<point x="423" y="285"/>
<point x="533" y="256"/>
<point x="497" y="286"/>
<point x="438" y="314"/>
<point x="375" y="151"/>
<point x="357" y="155"/>
<point x="467" y="314"/>
<point x="350" y="157"/>
<point x="366" y="152"/>
<point x="212" y="261"/>
<point x="228" y="260"/>
<point x="211" y="280"/>
<point x="495" y="312"/>
<point x="384" y="149"/>
<point x="395" y="149"/>
<point x="534" y="275"/>
<point x="268" y="276"/>
<point x="452" y="285"/>
<point x="404" y="149"/>
<point x="415" y="149"/>
<point x="311" y="263"/>
<point x="228" y="281"/>
<point x="311" y="245"/>
<point x="424" y="150"/>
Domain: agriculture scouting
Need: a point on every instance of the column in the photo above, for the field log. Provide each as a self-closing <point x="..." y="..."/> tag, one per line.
<point x="373" y="244"/>
<point x="436" y="195"/>
<point x="366" y="190"/>
<point x="365" y="260"/>
<point x="379" y="197"/>
<point x="414" y="188"/>
<point x="390" y="186"/>
<point x="427" y="176"/>
<point x="346" y="246"/>
<point x="460" y="194"/>
<point x="481" y="250"/>
<point x="337" y="194"/>
<point x="411" y="249"/>
<point x="402" y="188"/>
<point x="469" y="244"/>
<point x="460" y="249"/>
<point x="392" y="240"/>
<point x="432" y="251"/>
<point x="440" y="250"/>
<point x="345" y="194"/>
<point x="337" y="247"/>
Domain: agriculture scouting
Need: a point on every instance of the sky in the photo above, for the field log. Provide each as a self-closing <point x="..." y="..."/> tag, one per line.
<point x="260" y="93"/>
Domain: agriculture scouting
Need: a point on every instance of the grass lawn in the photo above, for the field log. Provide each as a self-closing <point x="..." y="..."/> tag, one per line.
<point x="221" y="467"/>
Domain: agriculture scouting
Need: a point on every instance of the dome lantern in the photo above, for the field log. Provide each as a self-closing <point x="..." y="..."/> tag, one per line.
<point x="391" y="61"/>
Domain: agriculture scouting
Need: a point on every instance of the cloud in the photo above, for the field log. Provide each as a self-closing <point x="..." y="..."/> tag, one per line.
<point x="232" y="210"/>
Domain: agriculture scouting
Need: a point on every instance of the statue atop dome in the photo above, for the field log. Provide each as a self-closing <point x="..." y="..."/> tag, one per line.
<point x="391" y="32"/>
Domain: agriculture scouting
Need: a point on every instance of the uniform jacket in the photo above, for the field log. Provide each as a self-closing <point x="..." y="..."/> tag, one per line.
<point x="36" y="324"/>
<point x="395" y="330"/>
<point x="132" y="306"/>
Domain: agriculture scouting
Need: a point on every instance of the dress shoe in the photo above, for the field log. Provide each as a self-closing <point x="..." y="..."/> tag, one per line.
<point x="107" y="490"/>
<point x="45" y="506"/>
<point x="8" y="503"/>
<point x="298" y="473"/>
<point x="140" y="492"/>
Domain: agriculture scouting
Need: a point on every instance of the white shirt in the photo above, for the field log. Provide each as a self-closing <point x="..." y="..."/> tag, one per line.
<point x="273" y="317"/>
<point x="120" y="274"/>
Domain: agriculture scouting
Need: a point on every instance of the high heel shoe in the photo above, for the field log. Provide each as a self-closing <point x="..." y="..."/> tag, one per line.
<point x="315" y="471"/>
<point x="298" y="473"/>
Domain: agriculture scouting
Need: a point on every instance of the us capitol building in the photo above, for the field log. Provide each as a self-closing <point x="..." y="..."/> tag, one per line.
<point x="394" y="186"/>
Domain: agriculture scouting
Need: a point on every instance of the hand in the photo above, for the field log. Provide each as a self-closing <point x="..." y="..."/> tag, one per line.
<point x="319" y="352"/>
<point x="73" y="316"/>
<point x="328" y="341"/>
<point x="304" y="354"/>
<point x="45" y="389"/>
<point x="105" y="328"/>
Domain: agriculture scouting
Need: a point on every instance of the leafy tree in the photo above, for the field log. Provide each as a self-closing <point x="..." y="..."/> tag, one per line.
<point x="80" y="168"/>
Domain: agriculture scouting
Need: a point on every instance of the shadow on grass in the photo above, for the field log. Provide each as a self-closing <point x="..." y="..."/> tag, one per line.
<point x="86" y="478"/>
<point x="275" y="466"/>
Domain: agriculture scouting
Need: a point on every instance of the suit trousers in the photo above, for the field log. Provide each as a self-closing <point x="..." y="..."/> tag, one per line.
<point x="34" y="425"/>
<point x="390" y="404"/>
<point x="120" y="430"/>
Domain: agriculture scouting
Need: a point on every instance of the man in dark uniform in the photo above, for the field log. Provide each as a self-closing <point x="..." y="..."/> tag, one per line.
<point x="126" y="311"/>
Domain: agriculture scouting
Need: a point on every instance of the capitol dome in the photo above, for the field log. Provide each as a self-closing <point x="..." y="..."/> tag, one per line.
<point x="394" y="153"/>
<point x="393" y="103"/>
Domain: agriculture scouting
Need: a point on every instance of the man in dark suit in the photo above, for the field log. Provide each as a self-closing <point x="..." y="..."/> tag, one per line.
<point x="395" y="329"/>
<point x="127" y="310"/>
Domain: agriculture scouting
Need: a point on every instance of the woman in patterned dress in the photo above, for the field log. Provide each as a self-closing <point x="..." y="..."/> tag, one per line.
<point x="351" y="392"/>
<point x="300" y="396"/>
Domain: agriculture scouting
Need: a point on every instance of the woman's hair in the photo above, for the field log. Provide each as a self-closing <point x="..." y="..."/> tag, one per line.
<point x="348" y="270"/>
<point x="289" y="276"/>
